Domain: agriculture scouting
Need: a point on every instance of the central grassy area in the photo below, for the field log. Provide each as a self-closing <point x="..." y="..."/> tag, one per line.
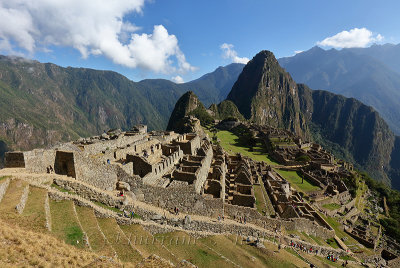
<point x="230" y="142"/>
<point x="297" y="182"/>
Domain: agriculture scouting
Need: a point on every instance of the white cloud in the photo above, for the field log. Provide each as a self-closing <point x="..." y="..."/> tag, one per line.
<point x="354" y="38"/>
<point x="229" y="53"/>
<point x="177" y="79"/>
<point x="93" y="27"/>
<point x="298" y="51"/>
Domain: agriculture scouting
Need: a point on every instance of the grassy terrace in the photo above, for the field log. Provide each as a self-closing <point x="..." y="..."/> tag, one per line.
<point x="89" y="224"/>
<point x="146" y="243"/>
<point x="4" y="177"/>
<point x="125" y="250"/>
<point x="331" y="206"/>
<point x="34" y="215"/>
<point x="295" y="181"/>
<point x="10" y="200"/>
<point x="184" y="246"/>
<point x="230" y="142"/>
<point x="64" y="223"/>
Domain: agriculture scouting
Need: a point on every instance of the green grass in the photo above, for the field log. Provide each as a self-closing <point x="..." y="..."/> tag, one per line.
<point x="117" y="210"/>
<point x="34" y="214"/>
<point x="230" y="143"/>
<point x="89" y="224"/>
<point x="332" y="242"/>
<point x="260" y="202"/>
<point x="294" y="253"/>
<point x="146" y="243"/>
<point x="332" y="206"/>
<point x="62" y="189"/>
<point x="183" y="246"/>
<point x="329" y="262"/>
<point x="125" y="251"/>
<point x="64" y="224"/>
<point x="10" y="200"/>
<point x="295" y="181"/>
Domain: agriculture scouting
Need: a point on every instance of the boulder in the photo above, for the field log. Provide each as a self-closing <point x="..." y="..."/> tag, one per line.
<point x="123" y="186"/>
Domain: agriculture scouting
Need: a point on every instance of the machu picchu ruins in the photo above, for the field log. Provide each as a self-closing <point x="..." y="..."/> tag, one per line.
<point x="189" y="182"/>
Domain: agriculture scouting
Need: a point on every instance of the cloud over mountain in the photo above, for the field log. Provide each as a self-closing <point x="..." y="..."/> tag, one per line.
<point x="354" y="38"/>
<point x="93" y="27"/>
<point x="229" y="53"/>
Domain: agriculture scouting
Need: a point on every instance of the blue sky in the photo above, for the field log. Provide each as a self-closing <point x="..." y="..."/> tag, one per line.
<point x="187" y="41"/>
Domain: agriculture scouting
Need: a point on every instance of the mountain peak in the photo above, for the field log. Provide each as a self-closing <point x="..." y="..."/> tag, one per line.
<point x="266" y="94"/>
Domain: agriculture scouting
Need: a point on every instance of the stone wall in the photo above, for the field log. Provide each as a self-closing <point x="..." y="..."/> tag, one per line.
<point x="14" y="160"/>
<point x="121" y="142"/>
<point x="186" y="200"/>
<point x="89" y="192"/>
<point x="3" y="187"/>
<point x="189" y="143"/>
<point x="203" y="170"/>
<point x="163" y="167"/>
<point x="38" y="161"/>
<point x="95" y="172"/>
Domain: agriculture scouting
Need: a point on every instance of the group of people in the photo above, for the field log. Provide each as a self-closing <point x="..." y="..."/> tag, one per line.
<point x="49" y="169"/>
<point x="221" y="217"/>
<point x="303" y="248"/>
<point x="129" y="215"/>
<point x="241" y="219"/>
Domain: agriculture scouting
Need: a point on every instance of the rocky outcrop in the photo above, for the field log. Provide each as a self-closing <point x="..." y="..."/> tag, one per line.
<point x="188" y="105"/>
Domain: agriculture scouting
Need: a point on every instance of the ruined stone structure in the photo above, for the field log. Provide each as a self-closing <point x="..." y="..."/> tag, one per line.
<point x="166" y="170"/>
<point x="287" y="202"/>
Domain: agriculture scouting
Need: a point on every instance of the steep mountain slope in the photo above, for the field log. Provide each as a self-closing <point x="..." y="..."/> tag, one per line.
<point x="266" y="94"/>
<point x="42" y="104"/>
<point x="225" y="109"/>
<point x="357" y="73"/>
<point x="362" y="135"/>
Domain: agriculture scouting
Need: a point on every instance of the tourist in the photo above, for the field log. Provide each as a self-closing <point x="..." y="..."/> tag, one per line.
<point x="108" y="161"/>
<point x="132" y="214"/>
<point x="152" y="149"/>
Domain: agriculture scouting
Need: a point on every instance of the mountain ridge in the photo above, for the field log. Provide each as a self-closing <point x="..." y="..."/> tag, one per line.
<point x="352" y="73"/>
<point x="43" y="103"/>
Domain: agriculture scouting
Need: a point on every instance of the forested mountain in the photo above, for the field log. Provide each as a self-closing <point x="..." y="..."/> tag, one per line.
<point x="42" y="103"/>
